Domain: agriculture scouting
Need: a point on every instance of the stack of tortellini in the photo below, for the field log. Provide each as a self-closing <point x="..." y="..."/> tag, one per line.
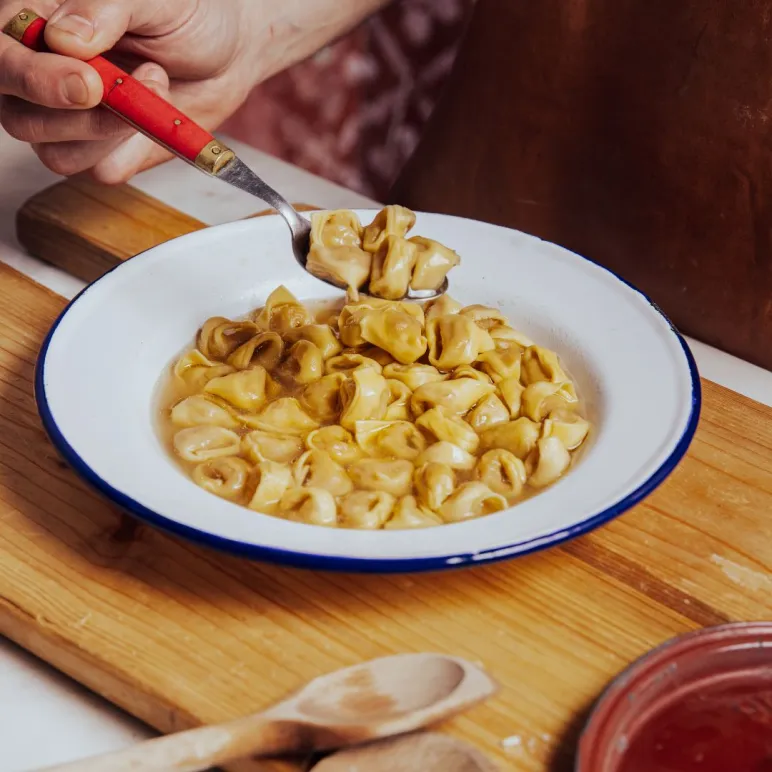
<point x="379" y="255"/>
<point x="384" y="414"/>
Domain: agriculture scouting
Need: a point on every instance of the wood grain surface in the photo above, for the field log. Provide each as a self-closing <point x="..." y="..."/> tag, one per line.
<point x="179" y="635"/>
<point x="86" y="229"/>
<point x="635" y="133"/>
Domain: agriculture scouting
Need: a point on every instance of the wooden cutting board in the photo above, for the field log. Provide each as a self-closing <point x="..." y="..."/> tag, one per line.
<point x="179" y="635"/>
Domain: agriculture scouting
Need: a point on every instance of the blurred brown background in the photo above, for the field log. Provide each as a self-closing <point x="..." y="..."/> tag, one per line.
<point x="354" y="112"/>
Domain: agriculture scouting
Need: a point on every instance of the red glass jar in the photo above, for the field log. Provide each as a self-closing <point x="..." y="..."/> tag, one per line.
<point x="699" y="703"/>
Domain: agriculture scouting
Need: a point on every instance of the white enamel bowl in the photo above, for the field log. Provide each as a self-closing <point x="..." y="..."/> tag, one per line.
<point x="101" y="363"/>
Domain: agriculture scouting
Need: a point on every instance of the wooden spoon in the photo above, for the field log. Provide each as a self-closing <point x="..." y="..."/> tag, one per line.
<point x="376" y="699"/>
<point x="427" y="752"/>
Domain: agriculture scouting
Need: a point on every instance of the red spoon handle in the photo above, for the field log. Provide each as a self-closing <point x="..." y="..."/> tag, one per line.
<point x="136" y="104"/>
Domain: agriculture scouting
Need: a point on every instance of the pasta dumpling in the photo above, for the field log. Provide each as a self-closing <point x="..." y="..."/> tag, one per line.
<point x="377" y="413"/>
<point x="414" y="375"/>
<point x="272" y="480"/>
<point x="433" y="483"/>
<point x="390" y="221"/>
<point x="408" y="513"/>
<point x="225" y="476"/>
<point x="472" y="499"/>
<point x="193" y="371"/>
<point x="363" y="396"/>
<point x="455" y="340"/>
<point x="519" y="437"/>
<point x="456" y="396"/>
<point x="201" y="443"/>
<point x="368" y="510"/>
<point x="450" y="428"/>
<point x="335" y="441"/>
<point x="199" y="410"/>
<point x="392" y="268"/>
<point x="503" y="472"/>
<point x="245" y="389"/>
<point x="399" y="399"/>
<point x="321" y="335"/>
<point x="314" y="506"/>
<point x="321" y="399"/>
<point x="375" y="474"/>
<point x="283" y="416"/>
<point x="447" y="453"/>
<point x="396" y="332"/>
<point x="282" y="312"/>
<point x="383" y="439"/>
<point x="219" y="336"/>
<point x="489" y="411"/>
<point x="260" y="446"/>
<point x="548" y="461"/>
<point x="264" y="349"/>
<point x="317" y="469"/>
<point x="304" y="363"/>
<point x="432" y="263"/>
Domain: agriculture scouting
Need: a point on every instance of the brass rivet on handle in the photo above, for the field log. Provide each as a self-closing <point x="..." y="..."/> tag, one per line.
<point x="214" y="157"/>
<point x="177" y="122"/>
<point x="118" y="81"/>
<point x="23" y="16"/>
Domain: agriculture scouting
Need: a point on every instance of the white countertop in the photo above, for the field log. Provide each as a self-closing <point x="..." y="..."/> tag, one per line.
<point x="46" y="717"/>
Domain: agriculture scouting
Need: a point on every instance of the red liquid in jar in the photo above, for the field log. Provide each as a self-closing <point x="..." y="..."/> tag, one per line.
<point x="725" y="729"/>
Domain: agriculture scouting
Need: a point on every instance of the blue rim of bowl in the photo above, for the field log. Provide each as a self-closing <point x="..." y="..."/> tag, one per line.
<point x="309" y="560"/>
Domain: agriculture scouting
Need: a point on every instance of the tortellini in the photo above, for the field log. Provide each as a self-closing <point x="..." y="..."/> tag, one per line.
<point x="364" y="396"/>
<point x="432" y="264"/>
<point x="202" y="443"/>
<point x="456" y="396"/>
<point x="314" y="506"/>
<point x="384" y="439"/>
<point x="372" y="474"/>
<point x="378" y="413"/>
<point x="282" y="312"/>
<point x="199" y="410"/>
<point x="472" y="499"/>
<point x="264" y="349"/>
<point x="449" y="428"/>
<point x="408" y="513"/>
<point x="225" y="476"/>
<point x="366" y="509"/>
<point x="245" y="389"/>
<point x="272" y="481"/>
<point x="317" y="469"/>
<point x="503" y="472"/>
<point x="456" y="340"/>
<point x="379" y="255"/>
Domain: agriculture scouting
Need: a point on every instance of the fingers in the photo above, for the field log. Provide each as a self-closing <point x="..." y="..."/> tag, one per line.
<point x="112" y="150"/>
<point x="86" y="28"/>
<point x="131" y="157"/>
<point x="47" y="79"/>
<point x="36" y="124"/>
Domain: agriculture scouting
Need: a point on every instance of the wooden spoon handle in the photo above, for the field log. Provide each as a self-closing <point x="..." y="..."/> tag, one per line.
<point x="197" y="749"/>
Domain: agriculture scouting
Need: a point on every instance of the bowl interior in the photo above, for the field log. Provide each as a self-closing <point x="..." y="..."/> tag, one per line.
<point x="101" y="369"/>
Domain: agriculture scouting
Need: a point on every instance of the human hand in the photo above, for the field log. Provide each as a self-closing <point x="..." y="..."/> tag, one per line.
<point x="195" y="53"/>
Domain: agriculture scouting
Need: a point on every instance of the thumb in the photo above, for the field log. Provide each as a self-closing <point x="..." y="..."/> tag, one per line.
<point x="138" y="152"/>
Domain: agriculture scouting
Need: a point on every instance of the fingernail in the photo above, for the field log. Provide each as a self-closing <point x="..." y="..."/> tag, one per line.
<point x="72" y="24"/>
<point x="75" y="89"/>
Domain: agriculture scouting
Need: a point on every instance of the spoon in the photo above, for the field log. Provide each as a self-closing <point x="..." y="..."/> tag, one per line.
<point x="157" y="119"/>
<point x="376" y="699"/>
<point x="427" y="752"/>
